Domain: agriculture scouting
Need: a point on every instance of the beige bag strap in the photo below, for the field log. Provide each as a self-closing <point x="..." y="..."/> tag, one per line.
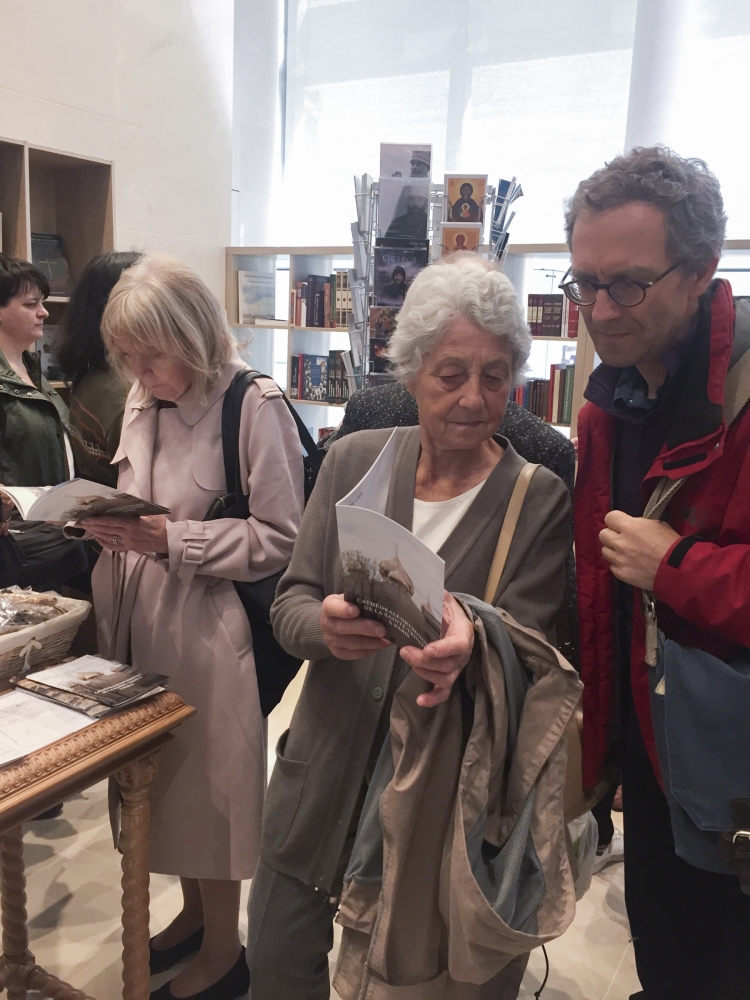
<point x="508" y="530"/>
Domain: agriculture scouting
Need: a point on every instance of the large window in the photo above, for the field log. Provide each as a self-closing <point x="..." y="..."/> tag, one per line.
<point x="538" y="89"/>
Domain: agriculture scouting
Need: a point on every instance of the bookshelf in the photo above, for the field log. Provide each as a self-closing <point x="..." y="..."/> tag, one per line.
<point x="268" y="344"/>
<point x="49" y="191"/>
<point x="537" y="268"/>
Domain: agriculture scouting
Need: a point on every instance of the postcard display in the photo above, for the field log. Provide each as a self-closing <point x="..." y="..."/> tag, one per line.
<point x="404" y="222"/>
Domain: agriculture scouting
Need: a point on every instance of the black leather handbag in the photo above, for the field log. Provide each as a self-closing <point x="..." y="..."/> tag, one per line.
<point x="274" y="667"/>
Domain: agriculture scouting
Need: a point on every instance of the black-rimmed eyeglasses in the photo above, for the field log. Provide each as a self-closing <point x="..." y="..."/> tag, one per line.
<point x="624" y="291"/>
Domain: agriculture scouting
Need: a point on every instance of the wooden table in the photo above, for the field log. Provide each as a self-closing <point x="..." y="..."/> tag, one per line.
<point x="125" y="746"/>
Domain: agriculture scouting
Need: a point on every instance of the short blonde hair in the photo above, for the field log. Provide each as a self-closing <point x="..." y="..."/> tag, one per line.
<point x="161" y="306"/>
<point x="460" y="285"/>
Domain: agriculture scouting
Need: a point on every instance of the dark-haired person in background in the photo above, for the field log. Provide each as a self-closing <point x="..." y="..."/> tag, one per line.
<point x="34" y="445"/>
<point x="97" y="397"/>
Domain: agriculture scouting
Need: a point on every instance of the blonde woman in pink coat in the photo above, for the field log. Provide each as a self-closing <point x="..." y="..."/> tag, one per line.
<point x="178" y="609"/>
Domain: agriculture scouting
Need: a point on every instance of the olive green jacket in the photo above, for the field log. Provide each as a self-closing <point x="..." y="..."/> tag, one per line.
<point x="33" y="420"/>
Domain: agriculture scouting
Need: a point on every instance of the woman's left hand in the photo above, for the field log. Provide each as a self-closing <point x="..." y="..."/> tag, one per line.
<point x="442" y="661"/>
<point x="123" y="534"/>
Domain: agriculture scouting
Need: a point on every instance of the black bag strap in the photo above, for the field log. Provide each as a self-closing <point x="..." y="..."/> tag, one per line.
<point x="231" y="413"/>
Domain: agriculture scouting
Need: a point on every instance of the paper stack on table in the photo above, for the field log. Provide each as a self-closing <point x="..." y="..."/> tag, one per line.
<point x="28" y="724"/>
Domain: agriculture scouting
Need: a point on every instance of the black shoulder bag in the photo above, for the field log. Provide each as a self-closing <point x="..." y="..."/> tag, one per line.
<point x="274" y="667"/>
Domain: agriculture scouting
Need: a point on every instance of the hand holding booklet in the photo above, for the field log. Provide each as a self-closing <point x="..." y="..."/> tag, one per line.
<point x="75" y="500"/>
<point x="388" y="572"/>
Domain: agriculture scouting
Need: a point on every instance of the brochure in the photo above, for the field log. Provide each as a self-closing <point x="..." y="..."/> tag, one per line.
<point x="28" y="724"/>
<point x="75" y="500"/>
<point x="388" y="573"/>
<point x="93" y="685"/>
<point x="257" y="296"/>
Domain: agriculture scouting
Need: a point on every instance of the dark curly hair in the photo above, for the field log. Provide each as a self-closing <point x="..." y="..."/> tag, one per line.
<point x="684" y="189"/>
<point x="80" y="348"/>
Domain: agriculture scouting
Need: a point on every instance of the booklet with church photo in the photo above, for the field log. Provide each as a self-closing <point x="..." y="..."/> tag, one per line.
<point x="75" y="500"/>
<point x="388" y="572"/>
<point x="93" y="685"/>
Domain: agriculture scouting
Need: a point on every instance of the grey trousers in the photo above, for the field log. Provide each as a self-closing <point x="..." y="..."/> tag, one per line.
<point x="290" y="933"/>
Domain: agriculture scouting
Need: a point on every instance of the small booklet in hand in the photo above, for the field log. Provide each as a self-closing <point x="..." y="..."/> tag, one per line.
<point x="75" y="500"/>
<point x="93" y="685"/>
<point x="388" y="572"/>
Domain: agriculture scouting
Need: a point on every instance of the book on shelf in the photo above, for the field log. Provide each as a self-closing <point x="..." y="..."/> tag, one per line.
<point x="323" y="300"/>
<point x="552" y="310"/>
<point x="552" y="316"/>
<point x="294" y="377"/>
<point x="313" y="377"/>
<point x="388" y="572"/>
<point x="48" y="254"/>
<point x="337" y="392"/>
<point x="256" y="292"/>
<point x="549" y="398"/>
<point x="92" y="685"/>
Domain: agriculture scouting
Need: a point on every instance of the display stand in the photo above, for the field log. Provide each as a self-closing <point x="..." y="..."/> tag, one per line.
<point x="124" y="746"/>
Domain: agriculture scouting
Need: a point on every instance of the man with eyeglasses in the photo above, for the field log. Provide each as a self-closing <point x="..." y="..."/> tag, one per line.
<point x="645" y="233"/>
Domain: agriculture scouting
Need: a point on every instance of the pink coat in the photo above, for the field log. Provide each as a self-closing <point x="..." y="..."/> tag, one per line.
<point x="180" y="614"/>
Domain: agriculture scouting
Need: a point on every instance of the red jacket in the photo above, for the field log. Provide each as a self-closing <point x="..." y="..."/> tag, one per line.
<point x="702" y="586"/>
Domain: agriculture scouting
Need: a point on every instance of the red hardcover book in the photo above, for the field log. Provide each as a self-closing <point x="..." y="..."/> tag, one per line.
<point x="572" y="320"/>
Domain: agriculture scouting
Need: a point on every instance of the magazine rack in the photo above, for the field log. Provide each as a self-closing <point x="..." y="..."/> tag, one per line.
<point x="125" y="746"/>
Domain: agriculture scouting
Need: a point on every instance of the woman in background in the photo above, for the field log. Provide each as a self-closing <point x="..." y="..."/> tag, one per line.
<point x="97" y="397"/>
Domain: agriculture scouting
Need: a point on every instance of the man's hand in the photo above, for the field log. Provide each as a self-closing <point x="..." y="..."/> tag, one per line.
<point x="635" y="546"/>
<point x="442" y="661"/>
<point x="347" y="634"/>
<point x="121" y="534"/>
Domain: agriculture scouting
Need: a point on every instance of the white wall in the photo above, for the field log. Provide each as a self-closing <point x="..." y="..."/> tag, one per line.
<point x="258" y="25"/>
<point x="146" y="84"/>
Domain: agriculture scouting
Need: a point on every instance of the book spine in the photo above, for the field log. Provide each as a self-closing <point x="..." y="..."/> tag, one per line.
<point x="550" y="394"/>
<point x="303" y="304"/>
<point x="546" y="315"/>
<point x="573" y="314"/>
<point x="539" y="315"/>
<point x="555" y="315"/>
<point x="531" y="312"/>
<point x="331" y="378"/>
<point x="327" y="316"/>
<point x="294" y="377"/>
<point x="568" y="404"/>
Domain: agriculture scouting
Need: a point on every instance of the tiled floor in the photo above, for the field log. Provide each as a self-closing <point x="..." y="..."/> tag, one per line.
<point x="74" y="899"/>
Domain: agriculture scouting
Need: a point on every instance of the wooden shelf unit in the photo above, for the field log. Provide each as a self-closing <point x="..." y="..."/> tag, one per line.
<point x="299" y="262"/>
<point x="48" y="191"/>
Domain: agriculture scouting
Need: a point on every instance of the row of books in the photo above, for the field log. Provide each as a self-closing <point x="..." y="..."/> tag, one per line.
<point x="552" y="316"/>
<point x="321" y="300"/>
<point x="319" y="378"/>
<point x="552" y="398"/>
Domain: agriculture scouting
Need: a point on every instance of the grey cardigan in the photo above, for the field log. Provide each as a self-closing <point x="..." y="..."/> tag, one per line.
<point x="322" y="760"/>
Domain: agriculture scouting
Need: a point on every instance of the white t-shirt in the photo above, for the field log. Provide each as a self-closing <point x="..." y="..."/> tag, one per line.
<point x="433" y="521"/>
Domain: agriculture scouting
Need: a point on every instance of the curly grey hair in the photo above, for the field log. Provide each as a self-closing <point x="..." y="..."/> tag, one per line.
<point x="684" y="189"/>
<point x="459" y="285"/>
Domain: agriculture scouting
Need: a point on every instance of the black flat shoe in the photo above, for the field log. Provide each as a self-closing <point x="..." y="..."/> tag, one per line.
<point x="161" y="960"/>
<point x="233" y="985"/>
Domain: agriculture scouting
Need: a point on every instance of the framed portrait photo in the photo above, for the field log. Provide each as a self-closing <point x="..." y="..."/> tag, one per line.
<point x="464" y="198"/>
<point x="457" y="236"/>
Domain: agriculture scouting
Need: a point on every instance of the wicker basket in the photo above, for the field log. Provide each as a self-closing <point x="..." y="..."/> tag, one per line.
<point x="45" y="643"/>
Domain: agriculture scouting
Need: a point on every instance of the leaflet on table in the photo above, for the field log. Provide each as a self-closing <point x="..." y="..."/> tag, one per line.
<point x="93" y="685"/>
<point x="76" y="499"/>
<point x="28" y="724"/>
<point x="387" y="571"/>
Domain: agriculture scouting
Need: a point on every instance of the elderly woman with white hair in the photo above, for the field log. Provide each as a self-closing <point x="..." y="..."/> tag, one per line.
<point x="460" y="345"/>
<point x="166" y="601"/>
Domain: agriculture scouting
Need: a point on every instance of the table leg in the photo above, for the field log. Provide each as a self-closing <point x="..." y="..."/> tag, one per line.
<point x="17" y="961"/>
<point x="134" y="781"/>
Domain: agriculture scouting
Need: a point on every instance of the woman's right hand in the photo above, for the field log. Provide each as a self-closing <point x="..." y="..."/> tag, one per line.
<point x="347" y="634"/>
